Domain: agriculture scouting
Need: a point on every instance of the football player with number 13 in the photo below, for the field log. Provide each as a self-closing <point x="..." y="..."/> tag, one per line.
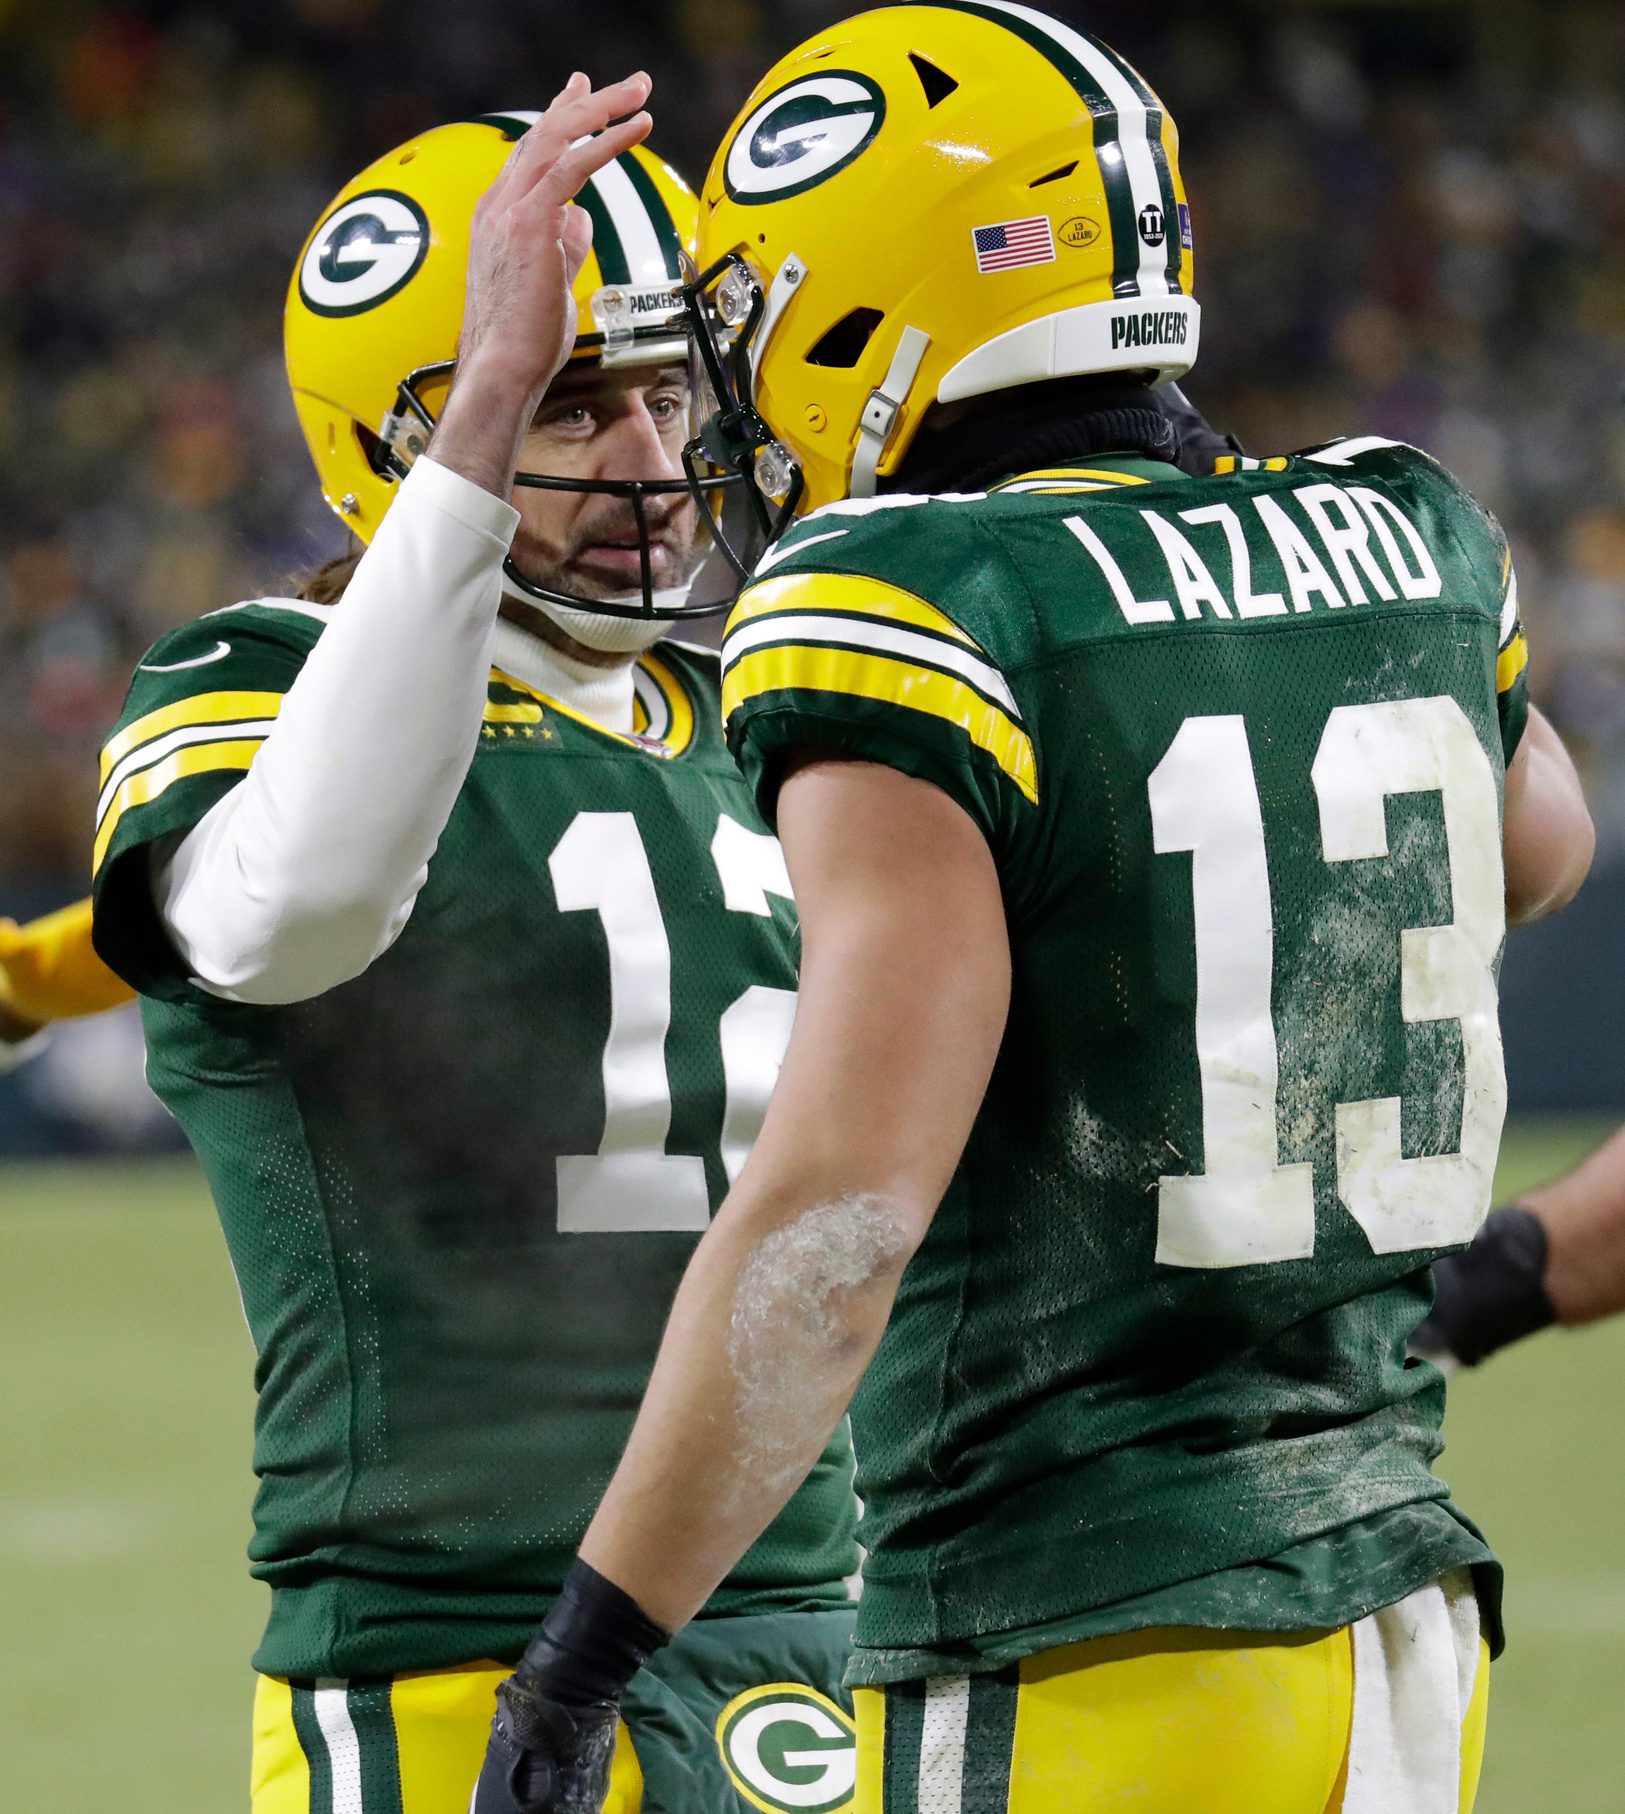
<point x="1154" y="839"/>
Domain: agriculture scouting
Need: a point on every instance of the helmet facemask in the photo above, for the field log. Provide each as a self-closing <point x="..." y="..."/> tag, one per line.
<point x="405" y="434"/>
<point x="732" y="445"/>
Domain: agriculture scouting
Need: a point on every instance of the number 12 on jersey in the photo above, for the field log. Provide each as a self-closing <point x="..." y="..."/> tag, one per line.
<point x="1245" y="1208"/>
<point x="632" y="1184"/>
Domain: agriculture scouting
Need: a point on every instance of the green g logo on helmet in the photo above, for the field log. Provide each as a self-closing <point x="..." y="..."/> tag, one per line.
<point x="789" y="1750"/>
<point x="802" y="135"/>
<point x="364" y="253"/>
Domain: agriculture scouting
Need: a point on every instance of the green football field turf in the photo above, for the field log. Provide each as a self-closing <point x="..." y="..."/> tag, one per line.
<point x="128" y="1615"/>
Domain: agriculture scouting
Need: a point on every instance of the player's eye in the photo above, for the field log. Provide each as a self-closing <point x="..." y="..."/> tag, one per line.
<point x="573" y="420"/>
<point x="669" y="406"/>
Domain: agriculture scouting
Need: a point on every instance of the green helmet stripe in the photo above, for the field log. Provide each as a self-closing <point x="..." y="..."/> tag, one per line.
<point x="606" y="238"/>
<point x="512" y="126"/>
<point x="671" y="241"/>
<point x="1108" y="154"/>
<point x="1118" y="156"/>
<point x="1165" y="173"/>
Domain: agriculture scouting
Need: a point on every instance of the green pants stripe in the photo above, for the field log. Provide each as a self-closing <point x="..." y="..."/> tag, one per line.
<point x="347" y="1733"/>
<point x="990" y="1737"/>
<point x="949" y="1743"/>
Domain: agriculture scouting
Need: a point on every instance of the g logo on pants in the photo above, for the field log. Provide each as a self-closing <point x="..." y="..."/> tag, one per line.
<point x="789" y="1750"/>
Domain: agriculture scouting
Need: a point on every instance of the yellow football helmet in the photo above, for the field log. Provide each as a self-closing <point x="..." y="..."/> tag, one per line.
<point x="375" y="307"/>
<point x="924" y="204"/>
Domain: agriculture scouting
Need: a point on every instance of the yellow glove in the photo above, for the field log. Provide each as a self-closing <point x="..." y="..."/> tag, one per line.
<point x="49" y="970"/>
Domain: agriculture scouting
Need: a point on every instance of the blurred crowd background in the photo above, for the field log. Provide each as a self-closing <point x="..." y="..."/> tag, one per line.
<point x="1410" y="221"/>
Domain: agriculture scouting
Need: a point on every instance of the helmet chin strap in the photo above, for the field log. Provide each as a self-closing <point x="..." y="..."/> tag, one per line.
<point x="598" y="630"/>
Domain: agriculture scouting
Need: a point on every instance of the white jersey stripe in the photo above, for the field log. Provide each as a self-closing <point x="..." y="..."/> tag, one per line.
<point x="187" y="735"/>
<point x="1509" y="611"/>
<point x="783" y="551"/>
<point x="300" y="607"/>
<point x="1133" y="128"/>
<point x="867" y="633"/>
<point x="646" y="688"/>
<point x="343" y="1748"/>
<point x="942" y="1744"/>
<point x="645" y="256"/>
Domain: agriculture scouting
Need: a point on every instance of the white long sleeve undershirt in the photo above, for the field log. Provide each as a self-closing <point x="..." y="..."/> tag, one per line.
<point x="308" y="869"/>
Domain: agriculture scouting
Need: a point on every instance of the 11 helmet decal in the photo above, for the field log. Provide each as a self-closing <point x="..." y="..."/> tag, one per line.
<point x="802" y="135"/>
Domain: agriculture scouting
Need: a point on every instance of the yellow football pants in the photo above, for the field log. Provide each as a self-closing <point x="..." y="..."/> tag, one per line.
<point x="1160" y="1722"/>
<point x="410" y="1745"/>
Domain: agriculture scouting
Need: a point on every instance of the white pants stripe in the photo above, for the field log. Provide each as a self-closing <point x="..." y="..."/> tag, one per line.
<point x="942" y="1744"/>
<point x="343" y="1748"/>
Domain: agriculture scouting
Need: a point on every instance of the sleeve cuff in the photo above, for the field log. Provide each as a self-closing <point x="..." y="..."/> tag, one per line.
<point x="460" y="499"/>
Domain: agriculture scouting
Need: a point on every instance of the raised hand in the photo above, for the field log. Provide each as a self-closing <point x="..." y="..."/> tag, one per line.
<point x="525" y="251"/>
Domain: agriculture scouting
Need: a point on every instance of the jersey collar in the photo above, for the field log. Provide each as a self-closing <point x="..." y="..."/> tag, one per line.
<point x="1100" y="472"/>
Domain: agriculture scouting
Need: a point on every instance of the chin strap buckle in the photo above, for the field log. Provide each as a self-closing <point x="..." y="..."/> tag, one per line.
<point x="878" y="423"/>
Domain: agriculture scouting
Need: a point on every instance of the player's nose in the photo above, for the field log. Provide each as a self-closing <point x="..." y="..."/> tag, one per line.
<point x="634" y="447"/>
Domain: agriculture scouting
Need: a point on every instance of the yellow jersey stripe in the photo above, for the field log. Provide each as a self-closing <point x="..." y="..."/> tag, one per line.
<point x="1062" y="475"/>
<point x="682" y="710"/>
<point x="521" y="711"/>
<point x="844" y="592"/>
<point x="1513" y="659"/>
<point x="872" y="636"/>
<point x="1228" y="464"/>
<point x="680" y="732"/>
<point x="202" y="708"/>
<point x="508" y="680"/>
<point x="143" y="788"/>
<point x="828" y="670"/>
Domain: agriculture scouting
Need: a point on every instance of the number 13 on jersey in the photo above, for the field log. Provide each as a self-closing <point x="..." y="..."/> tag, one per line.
<point x="1245" y="1208"/>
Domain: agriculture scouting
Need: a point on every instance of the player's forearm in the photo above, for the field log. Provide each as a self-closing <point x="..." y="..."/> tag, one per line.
<point x="1583" y="1215"/>
<point x="1550" y="840"/>
<point x="777" y="1317"/>
<point x="483" y="426"/>
<point x="904" y="989"/>
<point x="307" y="870"/>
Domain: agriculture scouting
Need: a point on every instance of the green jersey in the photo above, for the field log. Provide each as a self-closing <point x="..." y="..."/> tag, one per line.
<point x="459" y="1191"/>
<point x="1238" y="747"/>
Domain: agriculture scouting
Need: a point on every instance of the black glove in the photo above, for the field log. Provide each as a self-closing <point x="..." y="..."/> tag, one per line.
<point x="1492" y="1293"/>
<point x="553" y="1738"/>
<point x="1200" y="444"/>
<point x="543" y="1757"/>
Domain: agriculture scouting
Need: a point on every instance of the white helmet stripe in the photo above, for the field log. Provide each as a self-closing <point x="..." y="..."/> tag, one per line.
<point x="1133" y="131"/>
<point x="645" y="255"/>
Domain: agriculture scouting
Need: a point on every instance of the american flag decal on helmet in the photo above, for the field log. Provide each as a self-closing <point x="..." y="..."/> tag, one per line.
<point x="1009" y="243"/>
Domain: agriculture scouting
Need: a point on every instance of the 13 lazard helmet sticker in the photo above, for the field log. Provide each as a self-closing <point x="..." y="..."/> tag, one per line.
<point x="789" y="1750"/>
<point x="803" y="134"/>
<point x="363" y="253"/>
